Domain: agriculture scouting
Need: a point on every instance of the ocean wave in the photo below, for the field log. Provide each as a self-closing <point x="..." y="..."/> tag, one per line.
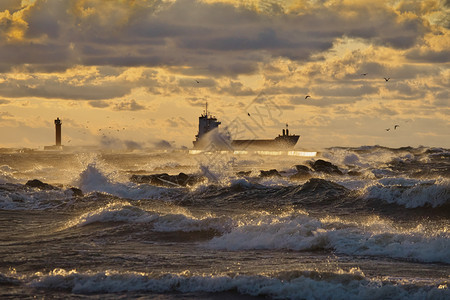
<point x="19" y="197"/>
<point x="304" y="233"/>
<point x="161" y="221"/>
<point x="93" y="179"/>
<point x="410" y="193"/>
<point x="301" y="285"/>
<point x="7" y="174"/>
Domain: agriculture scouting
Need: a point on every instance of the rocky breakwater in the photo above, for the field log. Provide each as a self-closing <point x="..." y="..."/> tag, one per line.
<point x="167" y="180"/>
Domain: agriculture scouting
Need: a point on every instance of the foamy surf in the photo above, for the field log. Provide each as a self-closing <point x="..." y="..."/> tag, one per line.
<point x="304" y="233"/>
<point x="293" y="285"/>
<point x="350" y="223"/>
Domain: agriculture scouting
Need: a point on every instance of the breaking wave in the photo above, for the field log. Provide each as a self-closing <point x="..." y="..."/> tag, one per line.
<point x="411" y="193"/>
<point x="161" y="221"/>
<point x="290" y="285"/>
<point x="304" y="233"/>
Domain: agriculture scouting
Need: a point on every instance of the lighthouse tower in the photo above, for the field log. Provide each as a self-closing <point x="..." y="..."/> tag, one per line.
<point x="58" y="131"/>
<point x="57" y="146"/>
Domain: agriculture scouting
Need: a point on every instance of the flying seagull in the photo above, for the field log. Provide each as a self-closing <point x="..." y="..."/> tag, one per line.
<point x="387" y="79"/>
<point x="395" y="126"/>
<point x="387" y="129"/>
<point x="364" y="74"/>
<point x="307" y="96"/>
<point x="197" y="81"/>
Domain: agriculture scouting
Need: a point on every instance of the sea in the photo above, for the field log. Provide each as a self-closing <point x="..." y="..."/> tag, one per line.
<point x="368" y="222"/>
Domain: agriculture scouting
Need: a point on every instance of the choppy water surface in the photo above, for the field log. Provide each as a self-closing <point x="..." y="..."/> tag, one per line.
<point x="377" y="228"/>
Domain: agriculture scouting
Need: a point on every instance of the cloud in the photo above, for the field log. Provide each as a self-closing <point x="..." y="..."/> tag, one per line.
<point x="429" y="55"/>
<point x="212" y="38"/>
<point x="162" y="144"/>
<point x="131" y="105"/>
<point x="59" y="88"/>
<point x="109" y="142"/>
<point x="235" y="88"/>
<point x="5" y="115"/>
<point x="98" y="104"/>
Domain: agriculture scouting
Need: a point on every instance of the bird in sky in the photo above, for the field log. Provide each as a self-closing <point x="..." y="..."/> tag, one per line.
<point x="387" y="129"/>
<point x="364" y="74"/>
<point x="307" y="96"/>
<point x="197" y="81"/>
<point x="395" y="126"/>
<point x="387" y="79"/>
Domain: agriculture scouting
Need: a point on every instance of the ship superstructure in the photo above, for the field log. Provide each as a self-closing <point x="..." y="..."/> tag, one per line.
<point x="208" y="123"/>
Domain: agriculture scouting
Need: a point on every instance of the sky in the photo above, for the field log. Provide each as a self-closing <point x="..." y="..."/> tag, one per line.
<point x="137" y="73"/>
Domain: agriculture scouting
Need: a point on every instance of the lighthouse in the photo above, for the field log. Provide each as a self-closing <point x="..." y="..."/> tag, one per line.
<point x="57" y="146"/>
<point x="58" y="131"/>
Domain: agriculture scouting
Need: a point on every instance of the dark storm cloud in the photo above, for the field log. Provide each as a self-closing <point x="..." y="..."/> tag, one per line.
<point x="11" y="5"/>
<point x="54" y="88"/>
<point x="442" y="99"/>
<point x="429" y="56"/>
<point x="216" y="39"/>
<point x="37" y="55"/>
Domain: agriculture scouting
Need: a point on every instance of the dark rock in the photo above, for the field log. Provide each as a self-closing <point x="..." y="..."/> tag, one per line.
<point x="270" y="173"/>
<point x="300" y="176"/>
<point x="35" y="183"/>
<point x="325" y="167"/>
<point x="354" y="173"/>
<point x="167" y="180"/>
<point x="243" y="173"/>
<point x="303" y="172"/>
<point x="318" y="185"/>
<point x="302" y="168"/>
<point x="76" y="192"/>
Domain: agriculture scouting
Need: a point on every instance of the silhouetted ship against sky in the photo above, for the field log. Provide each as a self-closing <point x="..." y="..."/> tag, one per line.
<point x="207" y="123"/>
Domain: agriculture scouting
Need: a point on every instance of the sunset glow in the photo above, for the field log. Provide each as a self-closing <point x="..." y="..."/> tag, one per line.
<point x="140" y="71"/>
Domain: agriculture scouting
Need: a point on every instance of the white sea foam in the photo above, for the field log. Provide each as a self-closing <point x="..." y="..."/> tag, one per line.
<point x="24" y="199"/>
<point x="341" y="286"/>
<point x="115" y="212"/>
<point x="93" y="179"/>
<point x="161" y="221"/>
<point x="302" y="232"/>
<point x="373" y="158"/>
<point x="410" y="193"/>
<point x="7" y="174"/>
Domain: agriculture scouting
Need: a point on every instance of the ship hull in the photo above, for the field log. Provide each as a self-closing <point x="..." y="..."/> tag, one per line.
<point x="278" y="143"/>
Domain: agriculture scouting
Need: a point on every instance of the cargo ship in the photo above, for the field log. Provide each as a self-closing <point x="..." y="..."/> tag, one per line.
<point x="208" y="124"/>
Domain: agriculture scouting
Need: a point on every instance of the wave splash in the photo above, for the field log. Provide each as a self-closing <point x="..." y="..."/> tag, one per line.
<point x="304" y="233"/>
<point x="291" y="285"/>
